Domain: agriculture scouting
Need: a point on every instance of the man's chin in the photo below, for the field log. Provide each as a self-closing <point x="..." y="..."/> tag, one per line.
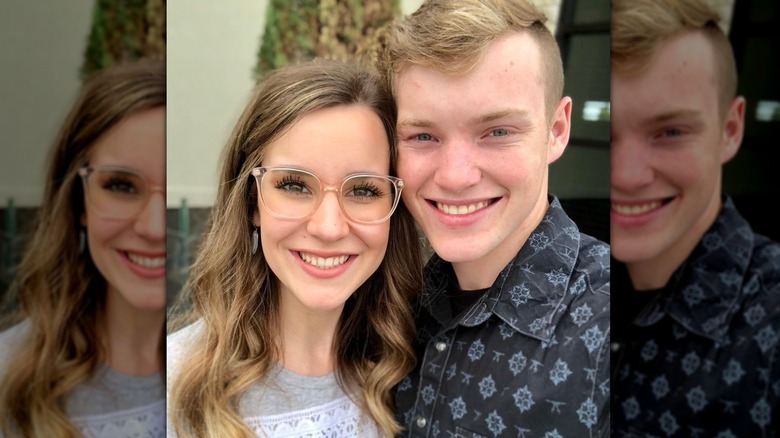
<point x="460" y="252"/>
<point x="631" y="253"/>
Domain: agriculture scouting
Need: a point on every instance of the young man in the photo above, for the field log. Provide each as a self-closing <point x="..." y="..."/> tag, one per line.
<point x="514" y="319"/>
<point x="696" y="351"/>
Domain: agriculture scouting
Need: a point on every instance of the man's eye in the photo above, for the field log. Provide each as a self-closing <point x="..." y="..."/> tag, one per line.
<point x="500" y="132"/>
<point x="423" y="137"/>
<point x="671" y="132"/>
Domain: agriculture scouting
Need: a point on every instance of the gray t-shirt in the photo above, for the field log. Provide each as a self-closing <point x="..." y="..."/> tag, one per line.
<point x="287" y="404"/>
<point x="110" y="404"/>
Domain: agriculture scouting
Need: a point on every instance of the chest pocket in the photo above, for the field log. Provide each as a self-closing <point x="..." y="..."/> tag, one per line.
<point x="464" y="433"/>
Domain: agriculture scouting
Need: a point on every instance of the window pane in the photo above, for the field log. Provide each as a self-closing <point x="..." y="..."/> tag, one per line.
<point x="587" y="80"/>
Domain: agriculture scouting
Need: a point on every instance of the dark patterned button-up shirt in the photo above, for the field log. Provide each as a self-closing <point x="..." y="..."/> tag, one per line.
<point x="702" y="358"/>
<point x="530" y="358"/>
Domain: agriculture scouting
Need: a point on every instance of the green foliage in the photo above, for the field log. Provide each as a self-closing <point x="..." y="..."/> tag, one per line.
<point x="124" y="30"/>
<point x="300" y="30"/>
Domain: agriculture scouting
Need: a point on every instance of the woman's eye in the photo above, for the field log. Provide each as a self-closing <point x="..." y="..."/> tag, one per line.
<point x="293" y="188"/>
<point x="363" y="192"/>
<point x="120" y="186"/>
<point x="423" y="137"/>
<point x="290" y="185"/>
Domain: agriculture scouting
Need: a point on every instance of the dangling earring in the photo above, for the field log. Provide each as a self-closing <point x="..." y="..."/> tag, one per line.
<point x="255" y="241"/>
<point x="82" y="240"/>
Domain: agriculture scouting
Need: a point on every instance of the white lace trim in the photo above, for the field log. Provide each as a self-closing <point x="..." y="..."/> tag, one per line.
<point x="142" y="422"/>
<point x="340" y="418"/>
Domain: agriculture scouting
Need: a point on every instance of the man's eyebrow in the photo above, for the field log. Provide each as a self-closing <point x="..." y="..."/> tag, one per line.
<point x="415" y="123"/>
<point x="522" y="115"/>
<point x="674" y="115"/>
<point x="484" y="118"/>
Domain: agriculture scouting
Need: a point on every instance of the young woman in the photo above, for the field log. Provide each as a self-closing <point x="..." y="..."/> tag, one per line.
<point x="302" y="286"/>
<point x="86" y="358"/>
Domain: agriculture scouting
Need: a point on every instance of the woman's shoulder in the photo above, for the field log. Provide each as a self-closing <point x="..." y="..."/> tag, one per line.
<point x="180" y="342"/>
<point x="16" y="331"/>
<point x="185" y="333"/>
<point x="10" y="339"/>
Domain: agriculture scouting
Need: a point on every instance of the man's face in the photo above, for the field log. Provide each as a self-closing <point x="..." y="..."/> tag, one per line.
<point x="474" y="151"/>
<point x="668" y="145"/>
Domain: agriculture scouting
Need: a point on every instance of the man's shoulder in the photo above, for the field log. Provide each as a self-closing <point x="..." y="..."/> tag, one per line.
<point x="764" y="273"/>
<point x="593" y="262"/>
<point x="766" y="258"/>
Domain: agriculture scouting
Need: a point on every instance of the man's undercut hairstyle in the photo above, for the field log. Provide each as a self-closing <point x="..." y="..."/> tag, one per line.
<point x="452" y="36"/>
<point x="641" y="27"/>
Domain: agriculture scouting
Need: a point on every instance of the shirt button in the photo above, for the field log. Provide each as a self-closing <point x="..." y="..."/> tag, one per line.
<point x="441" y="346"/>
<point x="421" y="422"/>
<point x="615" y="346"/>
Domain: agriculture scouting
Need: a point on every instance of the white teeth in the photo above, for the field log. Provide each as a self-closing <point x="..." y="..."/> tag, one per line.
<point x="146" y="262"/>
<point x="462" y="209"/>
<point x="323" y="263"/>
<point x="633" y="210"/>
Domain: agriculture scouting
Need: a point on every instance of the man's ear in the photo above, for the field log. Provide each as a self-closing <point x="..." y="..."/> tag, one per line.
<point x="560" y="128"/>
<point x="733" y="129"/>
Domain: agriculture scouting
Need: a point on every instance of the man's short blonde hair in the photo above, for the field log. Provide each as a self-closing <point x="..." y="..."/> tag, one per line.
<point x="641" y="27"/>
<point x="452" y="36"/>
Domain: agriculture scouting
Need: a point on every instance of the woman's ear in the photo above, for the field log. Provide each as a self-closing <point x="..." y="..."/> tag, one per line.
<point x="256" y="218"/>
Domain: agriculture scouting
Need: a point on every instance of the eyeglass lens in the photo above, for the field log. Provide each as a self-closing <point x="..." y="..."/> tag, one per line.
<point x="294" y="194"/>
<point x="116" y="193"/>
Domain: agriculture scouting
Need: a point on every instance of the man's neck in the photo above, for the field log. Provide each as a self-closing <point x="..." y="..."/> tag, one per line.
<point x="655" y="273"/>
<point x="483" y="272"/>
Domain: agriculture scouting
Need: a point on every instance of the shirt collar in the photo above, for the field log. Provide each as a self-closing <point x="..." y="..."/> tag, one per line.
<point x="703" y="295"/>
<point x="528" y="290"/>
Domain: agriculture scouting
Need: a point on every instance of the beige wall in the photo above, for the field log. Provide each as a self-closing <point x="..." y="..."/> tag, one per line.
<point x="212" y="50"/>
<point x="41" y="51"/>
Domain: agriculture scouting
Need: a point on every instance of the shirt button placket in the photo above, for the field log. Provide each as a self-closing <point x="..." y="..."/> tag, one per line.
<point x="433" y="375"/>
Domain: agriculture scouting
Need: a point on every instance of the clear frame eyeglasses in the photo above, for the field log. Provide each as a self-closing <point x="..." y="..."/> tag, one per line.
<point x="116" y="192"/>
<point x="292" y="193"/>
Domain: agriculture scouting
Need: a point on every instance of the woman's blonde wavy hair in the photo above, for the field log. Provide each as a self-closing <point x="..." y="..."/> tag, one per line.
<point x="237" y="295"/>
<point x="59" y="289"/>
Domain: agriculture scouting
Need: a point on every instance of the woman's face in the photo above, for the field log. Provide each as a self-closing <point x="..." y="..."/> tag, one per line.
<point x="321" y="260"/>
<point x="125" y="227"/>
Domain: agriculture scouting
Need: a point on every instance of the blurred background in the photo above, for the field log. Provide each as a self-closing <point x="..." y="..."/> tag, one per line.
<point x="47" y="48"/>
<point x="752" y="177"/>
<point x="216" y="50"/>
<point x="215" y="54"/>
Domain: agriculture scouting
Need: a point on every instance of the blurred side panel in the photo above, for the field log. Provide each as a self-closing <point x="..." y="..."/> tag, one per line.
<point x="42" y="51"/>
<point x="752" y="177"/>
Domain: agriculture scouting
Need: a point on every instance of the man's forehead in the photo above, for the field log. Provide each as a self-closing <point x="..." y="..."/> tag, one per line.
<point x="517" y="51"/>
<point x="685" y="53"/>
